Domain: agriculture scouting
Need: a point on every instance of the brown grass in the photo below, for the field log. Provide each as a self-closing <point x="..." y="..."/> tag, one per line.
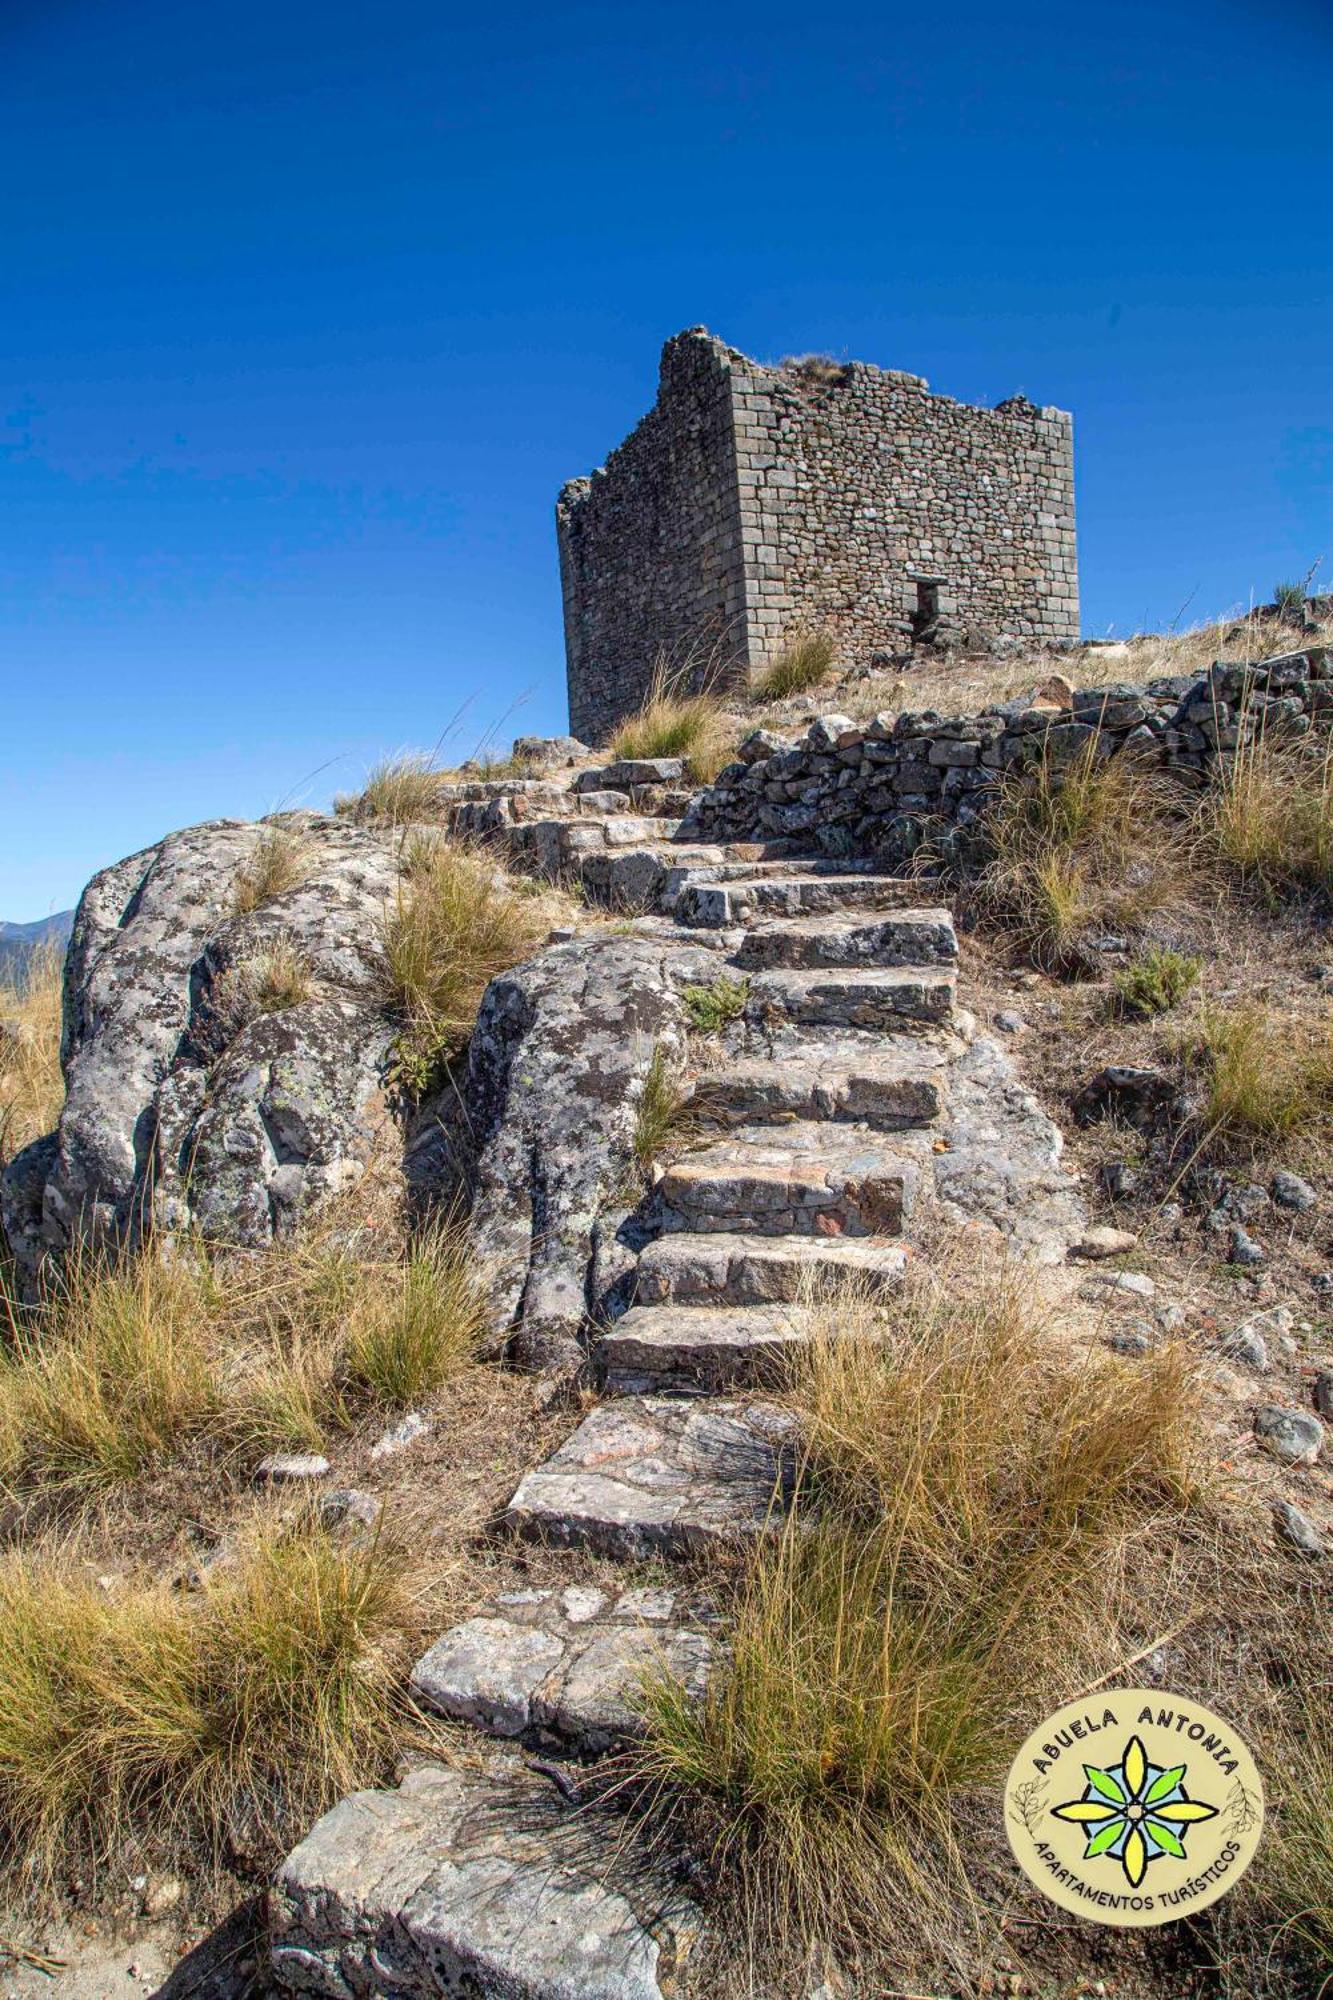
<point x="1075" y="848"/>
<point x="963" y="1479"/>
<point x="204" y="1722"/>
<point x="1268" y="816"/>
<point x="279" y="860"/>
<point x="32" y="1087"/>
<point x="456" y="922"/>
<point x="399" y="791"/>
<point x="131" y="1362"/>
<point x="673" y="723"/>
<point x="1266" y="1073"/>
<point x="805" y="662"/>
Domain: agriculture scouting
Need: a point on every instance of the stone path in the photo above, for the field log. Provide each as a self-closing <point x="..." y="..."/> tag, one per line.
<point x="853" y="1097"/>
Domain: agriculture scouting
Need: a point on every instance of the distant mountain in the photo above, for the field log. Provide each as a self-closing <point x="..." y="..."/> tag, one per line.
<point x="19" y="941"/>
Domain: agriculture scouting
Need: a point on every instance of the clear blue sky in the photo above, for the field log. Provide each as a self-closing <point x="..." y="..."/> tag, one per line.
<point x="309" y="309"/>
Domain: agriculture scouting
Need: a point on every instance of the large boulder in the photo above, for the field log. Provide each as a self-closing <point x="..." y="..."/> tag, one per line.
<point x="537" y="1133"/>
<point x="194" y="1100"/>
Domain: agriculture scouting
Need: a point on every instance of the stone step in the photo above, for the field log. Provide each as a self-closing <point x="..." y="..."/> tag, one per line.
<point x="806" y="1179"/>
<point x="645" y="1476"/>
<point x="893" y="1089"/>
<point x="726" y="1269"/>
<point x="700" y="1349"/>
<point x="467" y="1881"/>
<point x="885" y="997"/>
<point x="564" y="1668"/>
<point x="788" y="890"/>
<point x="900" y="937"/>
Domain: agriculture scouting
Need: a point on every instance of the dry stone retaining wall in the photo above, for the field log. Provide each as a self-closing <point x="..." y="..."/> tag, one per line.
<point x="752" y="502"/>
<point x="877" y="787"/>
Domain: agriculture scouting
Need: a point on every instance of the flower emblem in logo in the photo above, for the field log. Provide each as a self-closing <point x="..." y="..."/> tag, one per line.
<point x="1135" y="1812"/>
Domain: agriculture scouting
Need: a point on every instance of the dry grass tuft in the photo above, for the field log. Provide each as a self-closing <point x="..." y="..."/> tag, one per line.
<point x="1268" y="816"/>
<point x="279" y="861"/>
<point x="455" y="924"/>
<point x="115" y="1375"/>
<point x="672" y="723"/>
<point x="398" y="792"/>
<point x="217" y="1721"/>
<point x="805" y="662"/>
<point x="1266" y="1073"/>
<point x="131" y="1362"/>
<point x="661" y="1110"/>
<point x="962" y="1480"/>
<point x="271" y="980"/>
<point x="32" y="1087"/>
<point x="1077" y="848"/>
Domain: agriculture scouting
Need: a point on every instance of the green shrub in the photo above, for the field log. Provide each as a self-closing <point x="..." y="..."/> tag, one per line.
<point x="711" y="1008"/>
<point x="1157" y="980"/>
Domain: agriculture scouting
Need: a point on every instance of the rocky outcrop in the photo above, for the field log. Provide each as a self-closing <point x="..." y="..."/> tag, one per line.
<point x="225" y="1067"/>
<point x="538" y="1132"/>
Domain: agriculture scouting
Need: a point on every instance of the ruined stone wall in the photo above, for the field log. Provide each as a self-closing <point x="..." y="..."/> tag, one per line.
<point x="650" y="551"/>
<point x="881" y="788"/>
<point x="867" y="504"/>
<point x="752" y="503"/>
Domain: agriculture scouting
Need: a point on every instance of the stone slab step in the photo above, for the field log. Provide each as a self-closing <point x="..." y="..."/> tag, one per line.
<point x="885" y="997"/>
<point x="899" y="937"/>
<point x="564" y="1667"/>
<point x="806" y="1179"/>
<point x="785" y="891"/>
<point x="893" y="1091"/>
<point x="700" y="1349"/>
<point x="470" y="1882"/>
<point x="739" y="1269"/>
<point x="646" y="1476"/>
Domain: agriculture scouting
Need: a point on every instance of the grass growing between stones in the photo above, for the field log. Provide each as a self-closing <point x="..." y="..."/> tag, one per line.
<point x="128" y="1364"/>
<point x="711" y="1008"/>
<point x="661" y="1113"/>
<point x="398" y="791"/>
<point x="280" y="859"/>
<point x="674" y="723"/>
<point x="32" y="1088"/>
<point x="962" y="1480"/>
<point x="220" y="1720"/>
<point x="805" y="662"/>
<point x="455" y="923"/>
<point x="1072" y="849"/>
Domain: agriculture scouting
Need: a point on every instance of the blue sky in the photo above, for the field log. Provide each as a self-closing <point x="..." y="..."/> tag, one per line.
<point x="308" y="311"/>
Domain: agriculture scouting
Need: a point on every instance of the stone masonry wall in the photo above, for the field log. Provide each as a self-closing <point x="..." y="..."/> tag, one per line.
<point x="650" y="549"/>
<point x="752" y="502"/>
<point x="881" y="788"/>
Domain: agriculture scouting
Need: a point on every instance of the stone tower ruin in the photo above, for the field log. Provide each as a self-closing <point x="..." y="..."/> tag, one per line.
<point x="752" y="503"/>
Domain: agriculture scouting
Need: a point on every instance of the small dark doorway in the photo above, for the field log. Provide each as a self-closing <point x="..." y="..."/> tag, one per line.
<point x="926" y="616"/>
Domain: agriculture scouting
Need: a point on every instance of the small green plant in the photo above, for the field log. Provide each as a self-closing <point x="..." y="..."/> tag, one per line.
<point x="661" y="1108"/>
<point x="280" y="859"/>
<point x="1289" y="600"/>
<point x="804" y="662"/>
<point x="1154" y="982"/>
<point x="711" y="1008"/>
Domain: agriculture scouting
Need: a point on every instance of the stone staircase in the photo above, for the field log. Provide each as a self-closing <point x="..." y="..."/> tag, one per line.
<point x="850" y="1097"/>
